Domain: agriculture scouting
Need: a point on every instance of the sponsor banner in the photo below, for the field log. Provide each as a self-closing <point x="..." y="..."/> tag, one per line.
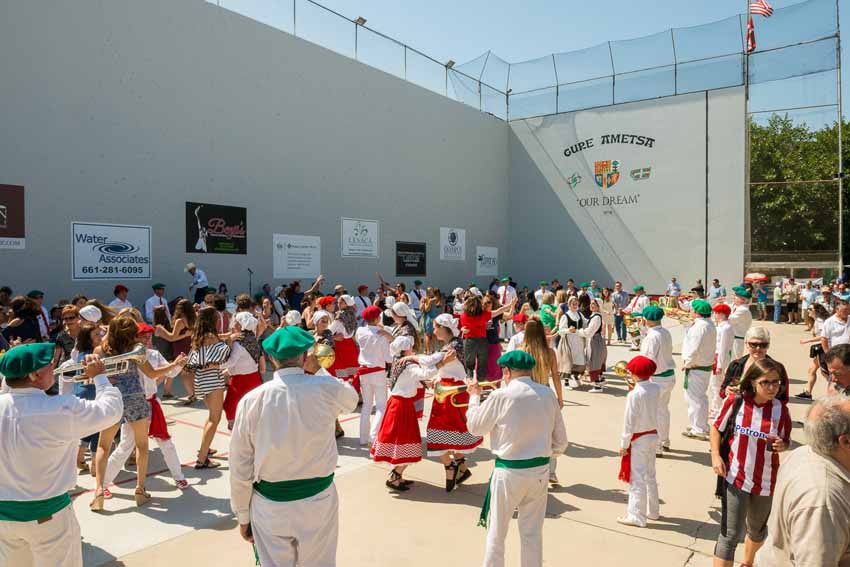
<point x="12" y="218"/>
<point x="110" y="251"/>
<point x="410" y="259"/>
<point x="486" y="261"/>
<point x="216" y="229"/>
<point x="296" y="256"/>
<point x="359" y="238"/>
<point x="452" y="243"/>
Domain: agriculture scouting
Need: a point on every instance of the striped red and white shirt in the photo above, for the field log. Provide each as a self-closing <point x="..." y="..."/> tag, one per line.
<point x="751" y="467"/>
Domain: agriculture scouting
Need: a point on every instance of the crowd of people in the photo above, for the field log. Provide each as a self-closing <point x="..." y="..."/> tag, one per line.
<point x="497" y="359"/>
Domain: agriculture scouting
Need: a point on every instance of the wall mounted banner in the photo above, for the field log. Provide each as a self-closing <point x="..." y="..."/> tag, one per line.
<point x="12" y="218"/>
<point x="296" y="256"/>
<point x="486" y="261"/>
<point x="216" y="229"/>
<point x="410" y="259"/>
<point x="110" y="251"/>
<point x="359" y="238"/>
<point x="452" y="243"/>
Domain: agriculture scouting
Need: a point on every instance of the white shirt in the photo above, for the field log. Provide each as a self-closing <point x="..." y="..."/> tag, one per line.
<point x="835" y="331"/>
<point x="507" y="293"/>
<point x="741" y="319"/>
<point x="155" y="301"/>
<point x="641" y="411"/>
<point x="199" y="279"/>
<point x="725" y="340"/>
<point x="538" y="295"/>
<point x="522" y="418"/>
<point x="240" y="361"/>
<point x="361" y="302"/>
<point x="674" y="289"/>
<point x="516" y="341"/>
<point x="44" y="322"/>
<point x="156" y="360"/>
<point x="638" y="303"/>
<point x="699" y="343"/>
<point x="119" y="304"/>
<point x="39" y="436"/>
<point x="284" y="430"/>
<point x="374" y="347"/>
<point x="410" y="380"/>
<point x="658" y="346"/>
<point x="414" y="299"/>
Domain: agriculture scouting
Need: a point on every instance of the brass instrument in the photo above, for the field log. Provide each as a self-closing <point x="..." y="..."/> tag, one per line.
<point x="325" y="355"/>
<point x="631" y="323"/>
<point x="442" y="392"/>
<point x="118" y="364"/>
<point x="679" y="315"/>
<point x="621" y="369"/>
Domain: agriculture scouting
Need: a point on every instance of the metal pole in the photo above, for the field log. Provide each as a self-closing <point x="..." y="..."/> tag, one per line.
<point x="840" y="151"/>
<point x="557" y="83"/>
<point x="675" y="64"/>
<point x="405" y="62"/>
<point x="355" y="41"/>
<point x="294" y="32"/>
<point x="748" y="242"/>
<point x="613" y="75"/>
<point x="447" y="80"/>
<point x="508" y="95"/>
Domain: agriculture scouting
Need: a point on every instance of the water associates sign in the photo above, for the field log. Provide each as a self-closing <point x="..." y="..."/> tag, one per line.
<point x="110" y="251"/>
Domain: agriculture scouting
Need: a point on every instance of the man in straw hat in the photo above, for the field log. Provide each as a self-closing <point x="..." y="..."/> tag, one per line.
<point x="39" y="436"/>
<point x="526" y="430"/>
<point x="282" y="458"/>
<point x="200" y="283"/>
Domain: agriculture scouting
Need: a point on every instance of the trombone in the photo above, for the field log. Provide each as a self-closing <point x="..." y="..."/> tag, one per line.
<point x="118" y="364"/>
<point x="442" y="392"/>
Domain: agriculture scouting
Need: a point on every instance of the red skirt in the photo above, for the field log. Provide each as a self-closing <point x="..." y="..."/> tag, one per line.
<point x="237" y="387"/>
<point x="345" y="359"/>
<point x="158" y="427"/>
<point x="398" y="441"/>
<point x="419" y="402"/>
<point x="447" y="425"/>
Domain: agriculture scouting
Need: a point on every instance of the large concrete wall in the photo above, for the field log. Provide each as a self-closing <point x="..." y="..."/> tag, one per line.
<point x="119" y="111"/>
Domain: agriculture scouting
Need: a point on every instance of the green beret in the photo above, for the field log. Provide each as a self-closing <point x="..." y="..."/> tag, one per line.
<point x="517" y="359"/>
<point x="158" y="286"/>
<point x="288" y="342"/>
<point x="701" y="307"/>
<point x="637" y="288"/>
<point x="417" y="282"/>
<point x="584" y="284"/>
<point x="472" y="284"/>
<point x="544" y="282"/>
<point x="35" y="293"/>
<point x="211" y="289"/>
<point x="505" y="280"/>
<point x="637" y="314"/>
<point x="652" y="313"/>
<point x="741" y="291"/>
<point x="21" y="360"/>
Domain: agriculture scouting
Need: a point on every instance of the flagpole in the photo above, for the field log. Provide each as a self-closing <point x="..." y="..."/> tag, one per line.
<point x="840" y="148"/>
<point x="748" y="244"/>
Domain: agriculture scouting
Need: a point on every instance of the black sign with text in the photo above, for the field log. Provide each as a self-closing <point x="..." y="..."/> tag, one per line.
<point x="410" y="259"/>
<point x="216" y="229"/>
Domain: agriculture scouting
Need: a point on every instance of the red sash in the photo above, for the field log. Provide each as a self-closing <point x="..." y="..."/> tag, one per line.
<point x="626" y="460"/>
<point x="355" y="379"/>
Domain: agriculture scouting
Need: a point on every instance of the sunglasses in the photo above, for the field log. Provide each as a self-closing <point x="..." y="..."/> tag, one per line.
<point x="758" y="345"/>
<point x="70" y="318"/>
<point x="768" y="384"/>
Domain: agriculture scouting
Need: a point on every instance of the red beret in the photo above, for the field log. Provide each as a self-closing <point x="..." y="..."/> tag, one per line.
<point x="722" y="308"/>
<point x="144" y="328"/>
<point x="362" y="287"/>
<point x="520" y="318"/>
<point x="371" y="312"/>
<point x="642" y="367"/>
<point x="119" y="288"/>
<point x="326" y="300"/>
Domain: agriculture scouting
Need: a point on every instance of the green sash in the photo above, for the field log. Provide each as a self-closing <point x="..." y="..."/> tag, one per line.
<point x="30" y="510"/>
<point x="484" y="518"/>
<point x="703" y="368"/>
<point x="666" y="373"/>
<point x="291" y="490"/>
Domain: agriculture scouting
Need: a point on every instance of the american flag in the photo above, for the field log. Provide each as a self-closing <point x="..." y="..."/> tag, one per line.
<point x="761" y="8"/>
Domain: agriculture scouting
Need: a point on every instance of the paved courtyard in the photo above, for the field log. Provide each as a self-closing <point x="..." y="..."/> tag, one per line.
<point x="426" y="526"/>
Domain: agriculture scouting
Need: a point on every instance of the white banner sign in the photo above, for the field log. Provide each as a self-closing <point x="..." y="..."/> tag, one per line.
<point x="452" y="243"/>
<point x="296" y="256"/>
<point x="359" y="238"/>
<point x="486" y="261"/>
<point x="110" y="251"/>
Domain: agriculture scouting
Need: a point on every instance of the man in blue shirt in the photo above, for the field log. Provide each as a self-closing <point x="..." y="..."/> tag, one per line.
<point x="716" y="291"/>
<point x="620" y="299"/>
<point x="673" y="288"/>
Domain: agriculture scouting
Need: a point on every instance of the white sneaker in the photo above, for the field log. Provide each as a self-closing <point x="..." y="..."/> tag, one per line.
<point x="597" y="390"/>
<point x="653" y="518"/>
<point x="574" y="383"/>
<point x="553" y="478"/>
<point x="626" y="521"/>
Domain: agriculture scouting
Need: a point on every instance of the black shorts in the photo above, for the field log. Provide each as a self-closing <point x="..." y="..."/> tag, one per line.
<point x="792" y="307"/>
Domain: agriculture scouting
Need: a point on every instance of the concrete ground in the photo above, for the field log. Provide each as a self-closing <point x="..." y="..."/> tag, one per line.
<point x="426" y="526"/>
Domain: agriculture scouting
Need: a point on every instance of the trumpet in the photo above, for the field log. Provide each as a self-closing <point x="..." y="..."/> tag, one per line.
<point x="442" y="392"/>
<point x="325" y="355"/>
<point x="118" y="364"/>
<point x="621" y="369"/>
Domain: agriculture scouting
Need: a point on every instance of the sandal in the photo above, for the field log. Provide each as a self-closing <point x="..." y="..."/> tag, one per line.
<point x="142" y="497"/>
<point x="188" y="401"/>
<point x="210" y="452"/>
<point x="465" y="474"/>
<point x="96" y="505"/>
<point x="450" y="482"/>
<point x="396" y="478"/>
<point x="207" y="464"/>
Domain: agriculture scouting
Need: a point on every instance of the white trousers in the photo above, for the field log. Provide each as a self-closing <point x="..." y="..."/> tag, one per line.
<point x="715" y="402"/>
<point x="667" y="384"/>
<point x="126" y="447"/>
<point x="697" y="397"/>
<point x="526" y="490"/>
<point x="507" y="329"/>
<point x="56" y="543"/>
<point x="643" y="489"/>
<point x="302" y="533"/>
<point x="373" y="389"/>
<point x="737" y="348"/>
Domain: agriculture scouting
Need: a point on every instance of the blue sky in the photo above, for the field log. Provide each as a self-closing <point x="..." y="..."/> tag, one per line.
<point x="517" y="31"/>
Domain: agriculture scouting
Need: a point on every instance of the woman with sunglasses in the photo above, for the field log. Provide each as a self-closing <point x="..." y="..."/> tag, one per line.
<point x="756" y="343"/>
<point x="752" y="428"/>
